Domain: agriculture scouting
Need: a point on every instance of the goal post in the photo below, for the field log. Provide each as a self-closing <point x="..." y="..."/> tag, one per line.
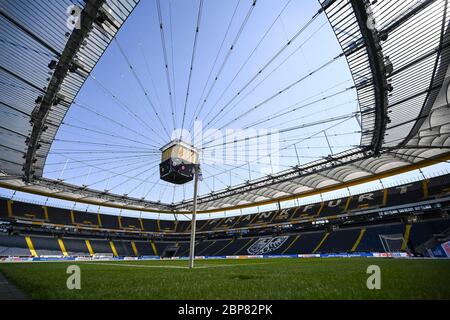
<point x="193" y="219"/>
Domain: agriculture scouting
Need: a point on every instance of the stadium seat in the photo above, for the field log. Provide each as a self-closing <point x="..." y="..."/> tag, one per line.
<point x="202" y="247"/>
<point x="242" y="245"/>
<point x="200" y="224"/>
<point x="205" y="225"/>
<point x="375" y="237"/>
<point x="183" y="249"/>
<point x="284" y="215"/>
<point x="76" y="247"/>
<point x="231" y="247"/>
<point x="59" y="216"/>
<point x="268" y="245"/>
<point x="124" y="248"/>
<point x="406" y="193"/>
<point x="181" y="226"/>
<point x="46" y="245"/>
<point x="14" y="252"/>
<point x="263" y="217"/>
<point x="340" y="241"/>
<point x="85" y="218"/>
<point x="423" y="231"/>
<point x="371" y="241"/>
<point x="101" y="246"/>
<point x="228" y="222"/>
<point x="334" y="207"/>
<point x="215" y="247"/>
<point x="305" y="211"/>
<point x="150" y="225"/>
<point x="305" y="243"/>
<point x="244" y="221"/>
<point x="28" y="211"/>
<point x="166" y="226"/>
<point x="161" y="245"/>
<point x="366" y="200"/>
<point x="144" y="248"/>
<point x="19" y="242"/>
<point x="3" y="208"/>
<point x="109" y="221"/>
<point x="439" y="185"/>
<point x="130" y="223"/>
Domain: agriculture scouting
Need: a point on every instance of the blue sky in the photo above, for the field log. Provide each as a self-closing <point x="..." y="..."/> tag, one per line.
<point x="140" y="40"/>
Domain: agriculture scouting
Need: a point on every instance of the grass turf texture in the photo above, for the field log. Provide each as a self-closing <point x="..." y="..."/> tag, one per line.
<point x="235" y="279"/>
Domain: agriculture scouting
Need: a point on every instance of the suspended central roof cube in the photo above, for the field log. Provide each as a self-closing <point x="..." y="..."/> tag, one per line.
<point x="178" y="160"/>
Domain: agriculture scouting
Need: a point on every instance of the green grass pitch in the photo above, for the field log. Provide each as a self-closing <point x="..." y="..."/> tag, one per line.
<point x="235" y="279"/>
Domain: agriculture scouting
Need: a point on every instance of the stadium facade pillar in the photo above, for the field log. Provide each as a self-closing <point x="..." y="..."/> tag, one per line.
<point x="193" y="219"/>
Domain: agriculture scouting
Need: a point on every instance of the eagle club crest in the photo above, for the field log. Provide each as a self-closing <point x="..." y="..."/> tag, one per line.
<point x="266" y="245"/>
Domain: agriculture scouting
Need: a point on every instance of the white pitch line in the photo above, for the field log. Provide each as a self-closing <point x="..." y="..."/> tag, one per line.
<point x="234" y="265"/>
<point x="179" y="267"/>
<point x="134" y="265"/>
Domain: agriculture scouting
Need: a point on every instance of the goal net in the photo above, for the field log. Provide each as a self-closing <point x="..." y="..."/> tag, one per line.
<point x="392" y="242"/>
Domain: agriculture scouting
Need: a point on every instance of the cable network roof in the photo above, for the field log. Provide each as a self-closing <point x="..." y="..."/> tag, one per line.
<point x="34" y="33"/>
<point x="398" y="57"/>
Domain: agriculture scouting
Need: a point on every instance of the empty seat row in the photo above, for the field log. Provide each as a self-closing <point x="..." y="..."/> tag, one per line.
<point x="371" y="238"/>
<point x="407" y="193"/>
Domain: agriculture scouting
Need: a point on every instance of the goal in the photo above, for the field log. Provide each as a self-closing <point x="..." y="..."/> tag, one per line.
<point x="391" y="242"/>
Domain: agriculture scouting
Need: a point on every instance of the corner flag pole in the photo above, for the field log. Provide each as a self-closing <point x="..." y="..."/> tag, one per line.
<point x="193" y="221"/>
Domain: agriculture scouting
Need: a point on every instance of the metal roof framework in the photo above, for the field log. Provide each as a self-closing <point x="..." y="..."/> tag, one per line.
<point x="43" y="66"/>
<point x="398" y="56"/>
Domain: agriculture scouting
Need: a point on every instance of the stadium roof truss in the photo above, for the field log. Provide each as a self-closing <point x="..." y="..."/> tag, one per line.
<point x="398" y="57"/>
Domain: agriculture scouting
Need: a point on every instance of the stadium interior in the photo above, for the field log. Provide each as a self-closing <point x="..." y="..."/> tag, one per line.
<point x="160" y="132"/>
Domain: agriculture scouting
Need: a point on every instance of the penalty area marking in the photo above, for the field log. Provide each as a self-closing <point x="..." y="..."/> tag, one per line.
<point x="133" y="265"/>
<point x="236" y="265"/>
